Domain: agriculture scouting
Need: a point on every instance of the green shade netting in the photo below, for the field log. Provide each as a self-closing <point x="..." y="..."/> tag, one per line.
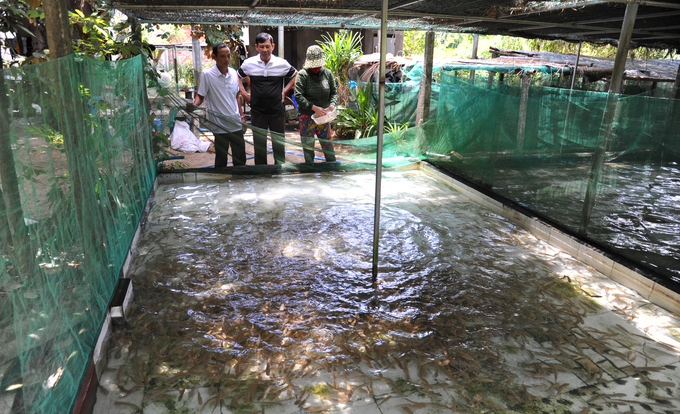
<point x="548" y="164"/>
<point x="79" y="137"/>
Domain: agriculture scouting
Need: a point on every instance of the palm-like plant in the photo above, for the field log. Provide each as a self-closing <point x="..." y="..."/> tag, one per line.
<point x="341" y="50"/>
<point x="364" y="120"/>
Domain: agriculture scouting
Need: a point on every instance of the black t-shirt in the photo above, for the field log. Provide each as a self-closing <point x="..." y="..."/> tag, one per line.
<point x="266" y="83"/>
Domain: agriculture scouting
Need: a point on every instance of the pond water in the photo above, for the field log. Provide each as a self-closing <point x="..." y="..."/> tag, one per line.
<point x="256" y="295"/>
<point x="636" y="212"/>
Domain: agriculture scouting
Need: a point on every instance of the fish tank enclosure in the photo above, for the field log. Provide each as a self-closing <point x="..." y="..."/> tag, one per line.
<point x="79" y="167"/>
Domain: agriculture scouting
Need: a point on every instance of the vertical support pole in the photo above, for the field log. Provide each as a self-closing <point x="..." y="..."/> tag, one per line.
<point x="523" y="104"/>
<point x="622" y="49"/>
<point x="609" y="117"/>
<point x="671" y="117"/>
<point x="197" y="61"/>
<point x="174" y="66"/>
<point x="571" y="88"/>
<point x="675" y="94"/>
<point x="489" y="83"/>
<point x="280" y="43"/>
<point x="573" y="74"/>
<point x="475" y="45"/>
<point x="381" y="130"/>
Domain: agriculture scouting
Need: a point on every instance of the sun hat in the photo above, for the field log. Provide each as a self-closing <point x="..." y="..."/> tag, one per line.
<point x="315" y="57"/>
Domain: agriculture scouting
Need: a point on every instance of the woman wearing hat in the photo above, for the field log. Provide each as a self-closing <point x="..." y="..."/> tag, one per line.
<point x="316" y="94"/>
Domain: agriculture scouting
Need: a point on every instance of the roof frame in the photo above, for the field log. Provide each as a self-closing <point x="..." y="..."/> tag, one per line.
<point x="576" y="20"/>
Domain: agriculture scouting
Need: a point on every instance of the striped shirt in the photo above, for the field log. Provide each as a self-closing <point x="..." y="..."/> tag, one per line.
<point x="266" y="83"/>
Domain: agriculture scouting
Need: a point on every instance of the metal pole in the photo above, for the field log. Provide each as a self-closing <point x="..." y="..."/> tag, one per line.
<point x="279" y="45"/>
<point x="174" y="63"/>
<point x="381" y="128"/>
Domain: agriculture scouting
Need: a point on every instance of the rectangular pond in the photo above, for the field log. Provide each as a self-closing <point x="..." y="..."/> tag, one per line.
<point x="256" y="295"/>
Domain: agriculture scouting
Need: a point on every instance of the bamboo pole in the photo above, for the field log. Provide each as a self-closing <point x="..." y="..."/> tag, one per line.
<point x="381" y="129"/>
<point x="676" y="85"/>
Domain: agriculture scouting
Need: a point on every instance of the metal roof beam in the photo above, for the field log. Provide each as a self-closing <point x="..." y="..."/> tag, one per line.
<point x="247" y="13"/>
<point x="454" y="19"/>
<point x="608" y="20"/>
<point x="617" y="19"/>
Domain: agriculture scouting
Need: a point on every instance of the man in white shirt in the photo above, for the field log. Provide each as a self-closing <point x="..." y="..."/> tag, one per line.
<point x="267" y="74"/>
<point x="220" y="87"/>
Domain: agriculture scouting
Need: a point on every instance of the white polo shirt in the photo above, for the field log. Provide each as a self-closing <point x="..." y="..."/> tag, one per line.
<point x="220" y="93"/>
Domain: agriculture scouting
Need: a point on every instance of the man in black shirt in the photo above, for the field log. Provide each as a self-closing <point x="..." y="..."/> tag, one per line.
<point x="267" y="75"/>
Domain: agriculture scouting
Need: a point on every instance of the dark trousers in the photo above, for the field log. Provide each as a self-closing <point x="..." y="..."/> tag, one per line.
<point x="238" y="148"/>
<point x="277" y="125"/>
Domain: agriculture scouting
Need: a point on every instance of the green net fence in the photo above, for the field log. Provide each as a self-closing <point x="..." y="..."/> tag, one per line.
<point x="79" y="162"/>
<point x="76" y="132"/>
<point x="604" y="168"/>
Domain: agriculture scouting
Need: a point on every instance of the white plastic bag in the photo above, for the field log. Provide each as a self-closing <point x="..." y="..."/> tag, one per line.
<point x="182" y="139"/>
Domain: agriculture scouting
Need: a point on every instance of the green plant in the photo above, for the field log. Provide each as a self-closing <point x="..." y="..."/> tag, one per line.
<point x="185" y="72"/>
<point x="362" y="122"/>
<point x="400" y="128"/>
<point x="100" y="39"/>
<point x="341" y="50"/>
<point x="364" y="119"/>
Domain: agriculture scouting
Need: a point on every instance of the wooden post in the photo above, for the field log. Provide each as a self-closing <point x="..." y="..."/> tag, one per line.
<point x="475" y="44"/>
<point x="675" y="94"/>
<point x="609" y="117"/>
<point x="671" y="117"/>
<point x="622" y="49"/>
<point x="522" y="122"/>
<point x="573" y="74"/>
<point x="425" y="92"/>
<point x="489" y="82"/>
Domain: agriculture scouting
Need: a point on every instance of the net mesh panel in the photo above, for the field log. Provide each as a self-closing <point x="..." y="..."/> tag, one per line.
<point x="548" y="168"/>
<point x="80" y="141"/>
